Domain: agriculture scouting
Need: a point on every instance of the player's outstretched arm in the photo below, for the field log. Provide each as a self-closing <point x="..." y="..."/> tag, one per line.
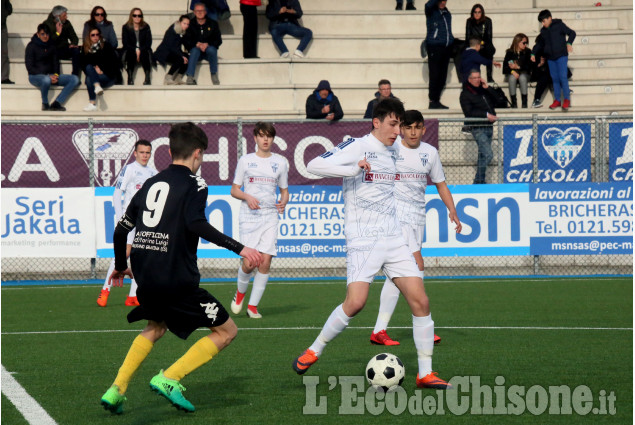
<point x="342" y="161"/>
<point x="253" y="256"/>
<point x="204" y="230"/>
<point x="116" y="278"/>
<point x="446" y="197"/>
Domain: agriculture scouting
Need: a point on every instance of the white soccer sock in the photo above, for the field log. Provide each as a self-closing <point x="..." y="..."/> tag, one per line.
<point x="387" y="303"/>
<point x="335" y="324"/>
<point x="423" y="275"/>
<point x="260" y="282"/>
<point x="423" y="335"/>
<point x="243" y="280"/>
<point x="133" y="289"/>
<point x="110" y="270"/>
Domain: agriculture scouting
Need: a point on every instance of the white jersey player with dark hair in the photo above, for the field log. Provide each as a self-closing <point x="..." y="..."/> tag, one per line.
<point x="259" y="174"/>
<point x="415" y="162"/>
<point x="374" y="240"/>
<point x="130" y="180"/>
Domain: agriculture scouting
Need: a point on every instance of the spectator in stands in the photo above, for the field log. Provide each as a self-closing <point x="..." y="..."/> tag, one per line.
<point x="439" y="43"/>
<point x="249" y="10"/>
<point x="283" y="18"/>
<point x="202" y="39"/>
<point x="216" y="9"/>
<point x="7" y="9"/>
<point x="556" y="44"/>
<point x="540" y="75"/>
<point x="43" y="67"/>
<point x="477" y="102"/>
<point x="517" y="67"/>
<point x="323" y="104"/>
<point x="136" y="38"/>
<point x="410" y="5"/>
<point x="472" y="59"/>
<point x="384" y="92"/>
<point x="63" y="36"/>
<point x="171" y="50"/>
<point x="101" y="65"/>
<point x="480" y="26"/>
<point x="99" y="19"/>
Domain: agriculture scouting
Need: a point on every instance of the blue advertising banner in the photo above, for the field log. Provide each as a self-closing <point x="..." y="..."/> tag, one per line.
<point x="621" y="151"/>
<point x="518" y="153"/>
<point x="564" y="153"/>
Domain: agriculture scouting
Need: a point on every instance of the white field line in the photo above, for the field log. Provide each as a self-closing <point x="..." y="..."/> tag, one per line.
<point x="303" y="328"/>
<point x="26" y="405"/>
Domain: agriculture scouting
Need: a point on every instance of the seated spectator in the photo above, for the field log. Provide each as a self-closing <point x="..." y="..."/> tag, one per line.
<point x="101" y="65"/>
<point x="63" y="36"/>
<point x="471" y="59"/>
<point x="478" y="102"/>
<point x="136" y="39"/>
<point x="410" y="5"/>
<point x="99" y="19"/>
<point x="384" y="92"/>
<point x="216" y="9"/>
<point x="202" y="39"/>
<point x="517" y="67"/>
<point x="43" y="67"/>
<point x="171" y="50"/>
<point x="283" y="19"/>
<point x="555" y="44"/>
<point x="480" y="26"/>
<point x="323" y="104"/>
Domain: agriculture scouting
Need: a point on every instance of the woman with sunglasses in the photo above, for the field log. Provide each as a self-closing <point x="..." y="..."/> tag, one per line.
<point x="99" y="19"/>
<point x="101" y="65"/>
<point x="136" y="38"/>
<point x="517" y="68"/>
<point x="480" y="26"/>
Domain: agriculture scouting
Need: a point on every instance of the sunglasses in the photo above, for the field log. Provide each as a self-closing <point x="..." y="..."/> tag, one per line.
<point x="523" y="42"/>
<point x="100" y="14"/>
<point x="95" y="34"/>
<point x="137" y="16"/>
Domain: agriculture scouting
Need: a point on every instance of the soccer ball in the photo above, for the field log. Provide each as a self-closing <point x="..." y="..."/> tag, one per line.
<point x="385" y="371"/>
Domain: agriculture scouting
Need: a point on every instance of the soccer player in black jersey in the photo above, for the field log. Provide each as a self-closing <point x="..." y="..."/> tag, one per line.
<point x="168" y="213"/>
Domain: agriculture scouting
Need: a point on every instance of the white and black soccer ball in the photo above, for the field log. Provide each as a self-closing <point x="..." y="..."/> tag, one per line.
<point x="385" y="371"/>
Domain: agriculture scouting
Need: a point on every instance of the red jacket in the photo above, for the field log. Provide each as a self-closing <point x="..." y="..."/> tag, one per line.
<point x="251" y="2"/>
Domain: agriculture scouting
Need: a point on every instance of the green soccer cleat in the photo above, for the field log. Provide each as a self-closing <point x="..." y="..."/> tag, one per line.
<point x="113" y="401"/>
<point x="172" y="390"/>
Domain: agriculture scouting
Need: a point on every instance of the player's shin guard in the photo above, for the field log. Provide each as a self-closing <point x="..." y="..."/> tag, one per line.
<point x="110" y="270"/>
<point x="243" y="280"/>
<point x="387" y="303"/>
<point x="423" y="335"/>
<point x="260" y="282"/>
<point x="133" y="289"/>
<point x="335" y="324"/>
<point x="200" y="353"/>
<point x="139" y="350"/>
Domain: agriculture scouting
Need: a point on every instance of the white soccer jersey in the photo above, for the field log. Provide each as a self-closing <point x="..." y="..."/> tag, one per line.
<point x="130" y="180"/>
<point x="260" y="177"/>
<point x="413" y="168"/>
<point x="368" y="197"/>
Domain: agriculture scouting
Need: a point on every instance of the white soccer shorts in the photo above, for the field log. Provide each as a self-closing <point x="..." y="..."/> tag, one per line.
<point x="413" y="235"/>
<point x="261" y="236"/>
<point x="365" y="257"/>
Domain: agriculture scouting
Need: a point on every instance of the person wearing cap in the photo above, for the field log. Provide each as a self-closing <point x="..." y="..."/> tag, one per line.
<point x="323" y="104"/>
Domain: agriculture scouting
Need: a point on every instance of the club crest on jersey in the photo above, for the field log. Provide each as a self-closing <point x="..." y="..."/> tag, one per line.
<point x="424" y="158"/>
<point x="274" y="166"/>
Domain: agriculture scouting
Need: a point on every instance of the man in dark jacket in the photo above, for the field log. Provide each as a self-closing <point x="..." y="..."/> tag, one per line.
<point x="555" y="44"/>
<point x="63" y="36"/>
<point x="7" y="9"/>
<point x="477" y="102"/>
<point x="43" y="66"/>
<point x="384" y="92"/>
<point x="323" y="104"/>
<point x="283" y="18"/>
<point x="439" y="42"/>
<point x="202" y="39"/>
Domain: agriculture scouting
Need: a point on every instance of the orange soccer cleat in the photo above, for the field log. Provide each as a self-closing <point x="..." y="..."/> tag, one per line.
<point x="437" y="339"/>
<point x="102" y="300"/>
<point x="304" y="362"/>
<point x="382" y="338"/>
<point x="132" y="301"/>
<point x="432" y="381"/>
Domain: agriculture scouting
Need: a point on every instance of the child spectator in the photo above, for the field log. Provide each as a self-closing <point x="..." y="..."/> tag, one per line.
<point x="472" y="59"/>
<point x="323" y="104"/>
<point x="517" y="67"/>
<point x="171" y="50"/>
<point x="99" y="19"/>
<point x="136" y="38"/>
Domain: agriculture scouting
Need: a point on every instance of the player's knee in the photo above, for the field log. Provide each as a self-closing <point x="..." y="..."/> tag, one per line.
<point x="228" y="333"/>
<point x="352" y="307"/>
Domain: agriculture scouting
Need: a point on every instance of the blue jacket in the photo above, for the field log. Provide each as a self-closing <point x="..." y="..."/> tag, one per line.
<point x="553" y="41"/>
<point x="439" y="25"/>
<point x="471" y="59"/>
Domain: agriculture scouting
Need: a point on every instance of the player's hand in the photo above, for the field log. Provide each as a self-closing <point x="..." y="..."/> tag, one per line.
<point x="253" y="203"/>
<point x="280" y="206"/>
<point x="455" y="219"/>
<point x="116" y="278"/>
<point x="364" y="165"/>
<point x="252" y="256"/>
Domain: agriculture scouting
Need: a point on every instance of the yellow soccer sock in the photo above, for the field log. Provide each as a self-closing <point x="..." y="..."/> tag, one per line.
<point x="139" y="350"/>
<point x="200" y="353"/>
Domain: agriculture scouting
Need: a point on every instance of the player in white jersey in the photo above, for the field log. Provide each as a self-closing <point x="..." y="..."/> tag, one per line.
<point x="415" y="162"/>
<point x="259" y="174"/>
<point x="130" y="180"/>
<point x="374" y="240"/>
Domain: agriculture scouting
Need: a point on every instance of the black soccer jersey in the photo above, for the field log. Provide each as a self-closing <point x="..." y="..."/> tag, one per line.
<point x="168" y="213"/>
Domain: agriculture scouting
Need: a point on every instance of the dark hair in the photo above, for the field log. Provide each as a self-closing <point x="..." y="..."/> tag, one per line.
<point x="185" y="138"/>
<point x="142" y="142"/>
<point x="88" y="42"/>
<point x="475" y="41"/>
<point x="130" y="23"/>
<point x="265" y="128"/>
<point x="412" y="116"/>
<point x="184" y="17"/>
<point x="544" y="14"/>
<point x="383" y="82"/>
<point x="92" y="20"/>
<point x="43" y="27"/>
<point x="477" y="6"/>
<point x="387" y="107"/>
<point x="516" y="43"/>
